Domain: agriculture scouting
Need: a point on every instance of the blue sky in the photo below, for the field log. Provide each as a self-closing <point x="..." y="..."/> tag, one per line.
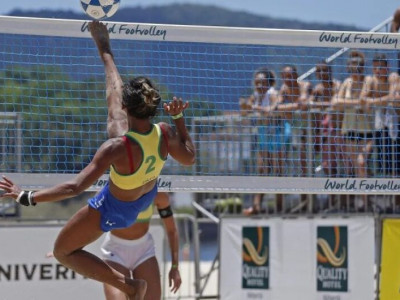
<point x="362" y="13"/>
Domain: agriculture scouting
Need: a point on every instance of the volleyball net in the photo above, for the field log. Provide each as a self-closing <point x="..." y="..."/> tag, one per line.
<point x="53" y="109"/>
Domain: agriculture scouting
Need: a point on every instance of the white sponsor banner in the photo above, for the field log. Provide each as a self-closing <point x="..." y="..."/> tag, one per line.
<point x="26" y="273"/>
<point x="313" y="259"/>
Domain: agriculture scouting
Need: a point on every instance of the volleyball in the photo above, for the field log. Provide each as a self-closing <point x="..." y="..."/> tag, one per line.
<point x="100" y="9"/>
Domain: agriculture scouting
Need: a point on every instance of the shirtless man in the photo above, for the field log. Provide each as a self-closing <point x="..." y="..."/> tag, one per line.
<point x="378" y="92"/>
<point x="395" y="26"/>
<point x="329" y="138"/>
<point x="358" y="121"/>
<point x="293" y="95"/>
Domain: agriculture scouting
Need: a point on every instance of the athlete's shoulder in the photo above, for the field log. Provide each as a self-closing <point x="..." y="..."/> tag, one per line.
<point x="113" y="145"/>
<point x="165" y="127"/>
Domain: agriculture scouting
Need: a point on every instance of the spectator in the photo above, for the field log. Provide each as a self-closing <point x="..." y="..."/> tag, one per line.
<point x="378" y="92"/>
<point x="328" y="137"/>
<point x="329" y="140"/>
<point x="357" y="125"/>
<point x="293" y="95"/>
<point x="395" y="26"/>
<point x="271" y="132"/>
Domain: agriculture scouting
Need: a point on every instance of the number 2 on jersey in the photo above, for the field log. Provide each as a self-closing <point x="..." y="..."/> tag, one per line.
<point x="150" y="160"/>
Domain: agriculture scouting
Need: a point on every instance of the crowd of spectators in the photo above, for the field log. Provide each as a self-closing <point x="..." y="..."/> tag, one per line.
<point x="354" y="123"/>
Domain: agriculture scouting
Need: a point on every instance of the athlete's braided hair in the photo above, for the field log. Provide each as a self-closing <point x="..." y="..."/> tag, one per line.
<point x="141" y="98"/>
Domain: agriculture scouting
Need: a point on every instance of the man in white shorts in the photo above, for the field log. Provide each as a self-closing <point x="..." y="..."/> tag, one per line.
<point x="131" y="251"/>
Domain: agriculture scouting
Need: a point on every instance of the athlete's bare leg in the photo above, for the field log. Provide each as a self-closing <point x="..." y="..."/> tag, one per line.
<point x="81" y="230"/>
<point x="149" y="271"/>
<point x="111" y="292"/>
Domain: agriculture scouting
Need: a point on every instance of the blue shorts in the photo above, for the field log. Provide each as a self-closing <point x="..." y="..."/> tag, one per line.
<point x="116" y="213"/>
<point x="273" y="138"/>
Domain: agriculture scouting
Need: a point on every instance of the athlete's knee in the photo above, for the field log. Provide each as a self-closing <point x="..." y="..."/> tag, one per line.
<point x="60" y="252"/>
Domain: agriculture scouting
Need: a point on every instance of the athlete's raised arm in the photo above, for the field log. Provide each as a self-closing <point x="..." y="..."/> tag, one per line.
<point x="117" y="121"/>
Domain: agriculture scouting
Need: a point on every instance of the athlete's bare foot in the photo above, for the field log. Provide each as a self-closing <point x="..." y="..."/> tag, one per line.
<point x="139" y="291"/>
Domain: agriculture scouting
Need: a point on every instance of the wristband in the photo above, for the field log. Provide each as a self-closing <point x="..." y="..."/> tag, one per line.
<point x="165" y="212"/>
<point x="174" y="266"/>
<point x="26" y="198"/>
<point x="178" y="116"/>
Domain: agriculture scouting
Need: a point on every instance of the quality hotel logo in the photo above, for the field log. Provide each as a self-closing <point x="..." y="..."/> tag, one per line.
<point x="255" y="264"/>
<point x="332" y="259"/>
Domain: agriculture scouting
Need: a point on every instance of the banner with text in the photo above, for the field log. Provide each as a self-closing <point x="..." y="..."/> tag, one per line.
<point x="285" y="259"/>
<point x="28" y="272"/>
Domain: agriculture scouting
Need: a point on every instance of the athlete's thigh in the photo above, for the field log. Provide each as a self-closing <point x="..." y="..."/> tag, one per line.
<point x="82" y="229"/>
<point x="111" y="292"/>
<point x="149" y="271"/>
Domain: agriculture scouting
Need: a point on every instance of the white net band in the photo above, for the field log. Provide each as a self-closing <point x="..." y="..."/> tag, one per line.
<point x="203" y="34"/>
<point x="235" y="184"/>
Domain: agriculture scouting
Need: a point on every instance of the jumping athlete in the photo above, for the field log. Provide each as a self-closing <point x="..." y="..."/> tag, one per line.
<point x="135" y="154"/>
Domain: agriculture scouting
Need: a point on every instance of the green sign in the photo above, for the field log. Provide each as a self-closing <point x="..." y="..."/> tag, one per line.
<point x="255" y="257"/>
<point x="332" y="259"/>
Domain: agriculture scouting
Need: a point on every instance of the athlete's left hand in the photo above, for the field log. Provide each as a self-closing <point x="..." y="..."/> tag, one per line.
<point x="176" y="106"/>
<point x="11" y="189"/>
<point x="174" y="279"/>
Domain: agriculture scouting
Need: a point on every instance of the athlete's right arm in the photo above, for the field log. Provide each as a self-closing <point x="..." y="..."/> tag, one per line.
<point x="102" y="160"/>
<point x="117" y="121"/>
